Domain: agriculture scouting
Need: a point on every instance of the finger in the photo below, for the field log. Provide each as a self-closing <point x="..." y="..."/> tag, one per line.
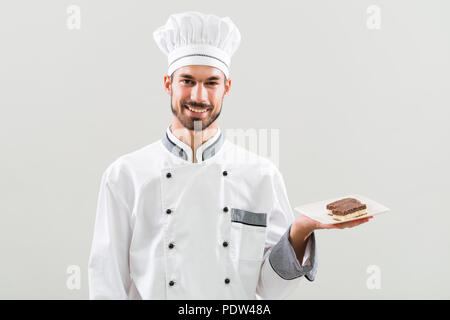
<point x="357" y="223"/>
<point x="329" y="226"/>
<point x="351" y="224"/>
<point x="360" y="221"/>
<point x="343" y="225"/>
<point x="323" y="226"/>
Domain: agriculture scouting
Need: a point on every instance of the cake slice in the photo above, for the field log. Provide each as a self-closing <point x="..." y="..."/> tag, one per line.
<point x="337" y="203"/>
<point x="346" y="208"/>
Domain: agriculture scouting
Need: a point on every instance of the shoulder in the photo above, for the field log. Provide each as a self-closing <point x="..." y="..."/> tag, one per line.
<point x="134" y="166"/>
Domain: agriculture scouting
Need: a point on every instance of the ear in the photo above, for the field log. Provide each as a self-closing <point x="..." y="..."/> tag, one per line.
<point x="227" y="87"/>
<point x="167" y="84"/>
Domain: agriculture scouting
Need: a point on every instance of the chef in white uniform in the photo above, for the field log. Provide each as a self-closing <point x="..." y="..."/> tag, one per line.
<point x="193" y="216"/>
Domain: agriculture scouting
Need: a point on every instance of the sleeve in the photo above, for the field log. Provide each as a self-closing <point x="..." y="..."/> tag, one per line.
<point x="281" y="272"/>
<point x="306" y="257"/>
<point x="108" y="267"/>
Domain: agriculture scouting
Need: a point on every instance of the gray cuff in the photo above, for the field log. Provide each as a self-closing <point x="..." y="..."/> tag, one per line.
<point x="284" y="262"/>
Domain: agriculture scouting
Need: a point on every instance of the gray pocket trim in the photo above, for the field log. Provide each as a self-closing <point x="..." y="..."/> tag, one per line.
<point x="249" y="218"/>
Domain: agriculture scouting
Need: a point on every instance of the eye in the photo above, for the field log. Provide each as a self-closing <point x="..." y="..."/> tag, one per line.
<point x="213" y="83"/>
<point x="185" y="80"/>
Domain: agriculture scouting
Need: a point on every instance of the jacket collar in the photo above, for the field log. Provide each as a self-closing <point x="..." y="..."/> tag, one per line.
<point x="184" y="151"/>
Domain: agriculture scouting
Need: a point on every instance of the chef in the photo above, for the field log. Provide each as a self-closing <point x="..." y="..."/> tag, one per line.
<point x="193" y="216"/>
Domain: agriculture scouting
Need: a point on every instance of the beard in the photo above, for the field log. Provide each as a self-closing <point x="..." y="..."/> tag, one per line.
<point x="194" y="123"/>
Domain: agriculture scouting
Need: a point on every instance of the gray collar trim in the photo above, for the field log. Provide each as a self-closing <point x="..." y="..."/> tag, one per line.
<point x="173" y="148"/>
<point x="179" y="152"/>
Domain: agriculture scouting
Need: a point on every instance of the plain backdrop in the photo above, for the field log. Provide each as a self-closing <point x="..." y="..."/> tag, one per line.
<point x="358" y="110"/>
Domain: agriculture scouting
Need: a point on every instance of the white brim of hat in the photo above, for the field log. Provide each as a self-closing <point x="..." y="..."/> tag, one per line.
<point x="199" y="59"/>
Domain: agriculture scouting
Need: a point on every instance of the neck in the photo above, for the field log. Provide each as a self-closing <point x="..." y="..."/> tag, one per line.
<point x="192" y="138"/>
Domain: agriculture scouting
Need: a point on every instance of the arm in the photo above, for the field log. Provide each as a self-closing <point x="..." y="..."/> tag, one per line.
<point x="108" y="267"/>
<point x="298" y="238"/>
<point x="302" y="230"/>
<point x="281" y="270"/>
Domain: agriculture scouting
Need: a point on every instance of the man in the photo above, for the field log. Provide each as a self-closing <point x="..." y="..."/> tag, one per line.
<point x="193" y="216"/>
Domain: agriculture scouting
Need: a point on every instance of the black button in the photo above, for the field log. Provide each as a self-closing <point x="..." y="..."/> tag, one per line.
<point x="227" y="280"/>
<point x="168" y="175"/>
<point x="225" y="173"/>
<point x="171" y="283"/>
<point x="225" y="244"/>
<point x="171" y="245"/>
<point x="168" y="211"/>
<point x="225" y="209"/>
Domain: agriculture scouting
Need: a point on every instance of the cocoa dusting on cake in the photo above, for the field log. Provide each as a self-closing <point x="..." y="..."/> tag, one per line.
<point x="345" y="206"/>
<point x="334" y="204"/>
<point x="348" y="208"/>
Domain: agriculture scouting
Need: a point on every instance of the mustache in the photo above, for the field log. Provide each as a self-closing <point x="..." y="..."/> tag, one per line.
<point x="196" y="104"/>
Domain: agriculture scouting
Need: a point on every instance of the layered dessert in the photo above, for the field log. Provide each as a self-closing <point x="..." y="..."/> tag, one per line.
<point x="346" y="208"/>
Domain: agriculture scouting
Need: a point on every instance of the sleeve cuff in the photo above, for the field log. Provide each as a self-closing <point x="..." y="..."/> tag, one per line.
<point x="306" y="261"/>
<point x="284" y="262"/>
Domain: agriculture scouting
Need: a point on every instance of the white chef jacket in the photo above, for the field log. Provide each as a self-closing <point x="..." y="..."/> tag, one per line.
<point x="167" y="228"/>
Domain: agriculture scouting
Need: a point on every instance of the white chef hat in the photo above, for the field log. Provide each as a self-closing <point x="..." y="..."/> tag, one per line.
<point x="194" y="38"/>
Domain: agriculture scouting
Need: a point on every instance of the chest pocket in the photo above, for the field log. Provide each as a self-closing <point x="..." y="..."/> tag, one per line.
<point x="248" y="233"/>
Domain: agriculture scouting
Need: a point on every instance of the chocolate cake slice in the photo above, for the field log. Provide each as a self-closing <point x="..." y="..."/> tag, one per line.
<point x="337" y="203"/>
<point x="346" y="208"/>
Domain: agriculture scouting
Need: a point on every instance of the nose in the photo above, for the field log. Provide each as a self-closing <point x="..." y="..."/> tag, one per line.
<point x="199" y="93"/>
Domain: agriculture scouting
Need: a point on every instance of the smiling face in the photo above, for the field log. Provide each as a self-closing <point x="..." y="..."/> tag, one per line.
<point x="196" y="95"/>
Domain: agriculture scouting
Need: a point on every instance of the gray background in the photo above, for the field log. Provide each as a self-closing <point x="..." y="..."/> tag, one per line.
<point x="359" y="111"/>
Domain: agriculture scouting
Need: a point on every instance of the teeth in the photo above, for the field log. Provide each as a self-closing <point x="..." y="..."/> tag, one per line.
<point x="197" y="110"/>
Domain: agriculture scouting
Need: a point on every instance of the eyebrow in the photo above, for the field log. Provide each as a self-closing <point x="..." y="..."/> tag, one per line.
<point x="188" y="76"/>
